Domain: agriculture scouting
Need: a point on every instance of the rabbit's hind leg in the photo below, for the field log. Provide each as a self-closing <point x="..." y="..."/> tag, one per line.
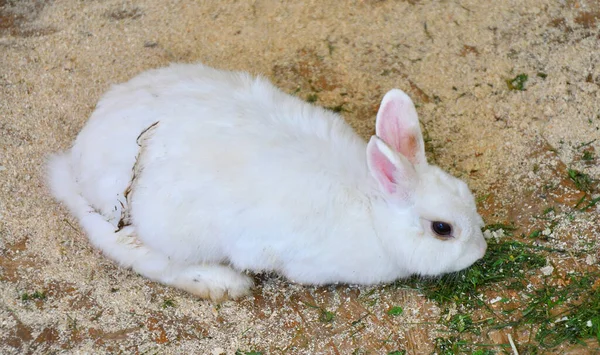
<point x="211" y="281"/>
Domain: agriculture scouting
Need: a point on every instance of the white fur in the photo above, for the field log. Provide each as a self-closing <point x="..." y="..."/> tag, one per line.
<point x="237" y="175"/>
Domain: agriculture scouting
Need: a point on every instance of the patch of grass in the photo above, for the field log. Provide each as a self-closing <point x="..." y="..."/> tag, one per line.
<point x="582" y="181"/>
<point x="588" y="155"/>
<point x="483" y="198"/>
<point x="554" y="314"/>
<point x="430" y="149"/>
<point x="461" y="323"/>
<point x="580" y="201"/>
<point x="449" y="346"/>
<point x="484" y="352"/>
<point x="517" y="83"/>
<point x="593" y="202"/>
<point x="338" y="108"/>
<point x="312" y="98"/>
<point x="326" y="316"/>
<point x="397" y="352"/>
<point x="535" y="234"/>
<point x="565" y="314"/>
<point x="252" y="352"/>
<point x="359" y="320"/>
<point x="455" y="345"/>
<point x="330" y="47"/>
<point x="395" y="311"/>
<point x="168" y="303"/>
<point x="504" y="260"/>
<point x="369" y="298"/>
<point x="37" y="295"/>
<point x="71" y="323"/>
<point x="585" y="144"/>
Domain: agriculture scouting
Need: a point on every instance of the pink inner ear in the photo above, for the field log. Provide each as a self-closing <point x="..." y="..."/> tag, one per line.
<point x="384" y="170"/>
<point x="399" y="137"/>
<point x="388" y="125"/>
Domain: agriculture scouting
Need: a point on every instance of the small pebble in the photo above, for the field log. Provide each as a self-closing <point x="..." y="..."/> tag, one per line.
<point x="547" y="270"/>
<point x="495" y="300"/>
<point x="590" y="259"/>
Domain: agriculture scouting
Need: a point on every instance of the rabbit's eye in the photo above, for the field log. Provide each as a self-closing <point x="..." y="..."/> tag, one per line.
<point x="442" y="229"/>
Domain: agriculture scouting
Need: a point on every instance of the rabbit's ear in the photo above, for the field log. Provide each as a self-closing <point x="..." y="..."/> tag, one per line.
<point x="398" y="125"/>
<point x="394" y="173"/>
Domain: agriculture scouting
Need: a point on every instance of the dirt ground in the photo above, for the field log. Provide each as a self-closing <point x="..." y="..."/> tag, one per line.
<point x="454" y="57"/>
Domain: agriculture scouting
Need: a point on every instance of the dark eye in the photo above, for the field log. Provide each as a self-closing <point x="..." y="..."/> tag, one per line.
<point x="442" y="229"/>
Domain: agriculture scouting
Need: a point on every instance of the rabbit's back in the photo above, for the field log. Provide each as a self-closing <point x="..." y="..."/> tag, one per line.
<point x="226" y="147"/>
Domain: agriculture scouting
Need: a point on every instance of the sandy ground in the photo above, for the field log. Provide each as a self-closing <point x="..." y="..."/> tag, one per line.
<point x="453" y="57"/>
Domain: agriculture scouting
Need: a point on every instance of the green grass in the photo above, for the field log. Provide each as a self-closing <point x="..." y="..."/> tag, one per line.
<point x="504" y="261"/>
<point x="549" y="210"/>
<point x="326" y="316"/>
<point x="241" y="352"/>
<point x="585" y="144"/>
<point x="37" y="295"/>
<point x="517" y="83"/>
<point x="579" y="316"/>
<point x="535" y="234"/>
<point x="461" y="323"/>
<point x="167" y="303"/>
<point x="430" y="148"/>
<point x="582" y="181"/>
<point x="553" y="314"/>
<point x="593" y="202"/>
<point x="455" y="345"/>
<point x="337" y="108"/>
<point x="395" y="311"/>
<point x="588" y="155"/>
<point x="483" y="198"/>
<point x="312" y="98"/>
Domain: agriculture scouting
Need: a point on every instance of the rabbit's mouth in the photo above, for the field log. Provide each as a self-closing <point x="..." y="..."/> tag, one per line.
<point x="472" y="255"/>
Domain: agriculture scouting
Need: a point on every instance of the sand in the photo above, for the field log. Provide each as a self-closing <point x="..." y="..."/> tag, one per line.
<point x="452" y="57"/>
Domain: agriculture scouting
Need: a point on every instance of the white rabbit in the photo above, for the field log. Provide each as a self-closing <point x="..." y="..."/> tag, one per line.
<point x="192" y="175"/>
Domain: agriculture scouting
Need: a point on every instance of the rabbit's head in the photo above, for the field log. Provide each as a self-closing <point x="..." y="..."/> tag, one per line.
<point x="426" y="219"/>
